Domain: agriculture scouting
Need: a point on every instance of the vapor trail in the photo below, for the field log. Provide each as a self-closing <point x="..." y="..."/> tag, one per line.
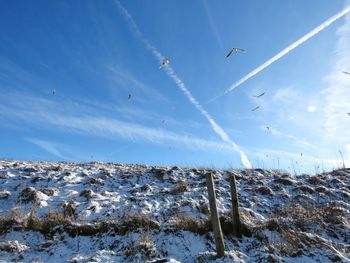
<point x="171" y="73"/>
<point x="287" y="50"/>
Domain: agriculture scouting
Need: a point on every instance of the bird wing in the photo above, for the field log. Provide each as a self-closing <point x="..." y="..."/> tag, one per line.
<point x="346" y="72"/>
<point x="229" y="54"/>
<point x="256" y="108"/>
<point x="258" y="96"/>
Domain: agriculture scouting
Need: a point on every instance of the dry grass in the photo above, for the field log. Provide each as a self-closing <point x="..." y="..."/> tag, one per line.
<point x="133" y="222"/>
<point x="69" y="209"/>
<point x="54" y="221"/>
<point x="144" y="249"/>
<point x="181" y="187"/>
<point x="159" y="173"/>
<point x="191" y="224"/>
<point x="10" y="221"/>
<point x="292" y="222"/>
<point x="59" y="221"/>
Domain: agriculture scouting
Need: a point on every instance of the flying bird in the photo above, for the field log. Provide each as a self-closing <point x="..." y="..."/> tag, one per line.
<point x="268" y="128"/>
<point x="53" y="92"/>
<point x="165" y="62"/>
<point x="347" y="73"/>
<point x="260" y="95"/>
<point x="348" y="113"/>
<point x="235" y="50"/>
<point x="129" y="97"/>
<point x="256" y="108"/>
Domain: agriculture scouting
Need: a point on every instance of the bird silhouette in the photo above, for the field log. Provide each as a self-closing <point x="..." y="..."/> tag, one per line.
<point x="53" y="92"/>
<point x="256" y="108"/>
<point x="260" y="95"/>
<point x="165" y="61"/>
<point x="347" y="73"/>
<point x="129" y="97"/>
<point x="235" y="50"/>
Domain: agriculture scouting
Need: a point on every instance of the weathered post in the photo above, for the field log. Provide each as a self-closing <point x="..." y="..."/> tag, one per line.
<point x="219" y="240"/>
<point x="236" y="220"/>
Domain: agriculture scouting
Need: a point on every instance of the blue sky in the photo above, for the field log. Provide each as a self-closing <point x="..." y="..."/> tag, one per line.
<point x="91" y="55"/>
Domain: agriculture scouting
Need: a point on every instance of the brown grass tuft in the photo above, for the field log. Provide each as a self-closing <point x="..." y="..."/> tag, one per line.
<point x="191" y="224"/>
<point x="181" y="187"/>
<point x="137" y="221"/>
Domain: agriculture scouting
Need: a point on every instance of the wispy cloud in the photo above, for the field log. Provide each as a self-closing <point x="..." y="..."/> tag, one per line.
<point x="171" y="73"/>
<point x="286" y="95"/>
<point x="336" y="96"/>
<point x="295" y="161"/>
<point x="212" y="23"/>
<point x="51" y="147"/>
<point x="134" y="85"/>
<point x="288" y="49"/>
<point x="300" y="142"/>
<point x="26" y="110"/>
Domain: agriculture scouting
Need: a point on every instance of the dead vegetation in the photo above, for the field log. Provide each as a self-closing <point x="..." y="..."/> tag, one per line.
<point x="309" y="219"/>
<point x="300" y="227"/>
<point x="12" y="246"/>
<point x="158" y="173"/>
<point x="181" y="187"/>
<point x="192" y="224"/>
<point x="28" y="194"/>
<point x="62" y="221"/>
<point x="142" y="250"/>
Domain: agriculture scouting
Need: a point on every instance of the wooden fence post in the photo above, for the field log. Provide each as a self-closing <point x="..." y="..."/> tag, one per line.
<point x="219" y="240"/>
<point x="236" y="220"/>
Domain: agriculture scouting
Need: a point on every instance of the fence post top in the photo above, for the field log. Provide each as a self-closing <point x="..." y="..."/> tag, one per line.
<point x="208" y="174"/>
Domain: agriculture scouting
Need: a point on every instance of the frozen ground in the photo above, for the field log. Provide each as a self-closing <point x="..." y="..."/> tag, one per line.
<point x="107" y="212"/>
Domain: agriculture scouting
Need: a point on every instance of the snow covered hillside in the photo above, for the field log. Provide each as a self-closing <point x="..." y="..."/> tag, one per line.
<point x="107" y="212"/>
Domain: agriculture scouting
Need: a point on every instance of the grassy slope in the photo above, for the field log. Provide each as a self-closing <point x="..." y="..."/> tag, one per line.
<point x="55" y="212"/>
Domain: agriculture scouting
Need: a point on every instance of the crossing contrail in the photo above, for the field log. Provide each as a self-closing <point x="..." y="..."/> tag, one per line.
<point x="285" y="51"/>
<point x="171" y="73"/>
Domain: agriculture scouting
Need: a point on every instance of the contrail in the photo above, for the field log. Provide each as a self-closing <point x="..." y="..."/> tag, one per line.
<point x="171" y="73"/>
<point x="287" y="50"/>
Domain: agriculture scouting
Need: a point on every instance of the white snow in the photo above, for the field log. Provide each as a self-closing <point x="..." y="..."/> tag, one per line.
<point x="112" y="192"/>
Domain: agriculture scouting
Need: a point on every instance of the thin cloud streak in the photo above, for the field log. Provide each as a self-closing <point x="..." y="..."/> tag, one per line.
<point x="278" y="133"/>
<point x="212" y="24"/>
<point x="125" y="78"/>
<point x="171" y="73"/>
<point x="45" y="114"/>
<point x="285" y="51"/>
<point x="48" y="146"/>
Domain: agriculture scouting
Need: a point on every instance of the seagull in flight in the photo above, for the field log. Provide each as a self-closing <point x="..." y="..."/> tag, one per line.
<point x="235" y="50"/>
<point x="347" y="73"/>
<point x="53" y="92"/>
<point x="129" y="97"/>
<point x="165" y="61"/>
<point x="260" y="95"/>
<point x="256" y="108"/>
